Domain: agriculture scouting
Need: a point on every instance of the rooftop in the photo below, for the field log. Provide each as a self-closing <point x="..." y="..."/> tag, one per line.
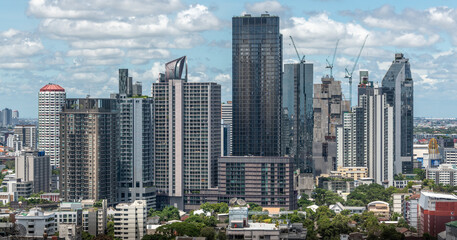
<point x="52" y="88"/>
<point x="439" y="195"/>
<point x="452" y="224"/>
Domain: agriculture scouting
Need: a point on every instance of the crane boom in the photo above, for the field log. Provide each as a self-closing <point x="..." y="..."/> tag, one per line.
<point x="301" y="60"/>
<point x="349" y="74"/>
<point x="330" y="65"/>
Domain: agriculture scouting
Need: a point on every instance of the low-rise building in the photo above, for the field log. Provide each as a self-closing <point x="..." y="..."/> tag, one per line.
<point x="445" y="174"/>
<point x="70" y="231"/>
<point x="53" y="197"/>
<point x="36" y="223"/>
<point x="355" y="173"/>
<point x="450" y="233"/>
<point x="411" y="210"/>
<point x="398" y="200"/>
<point x="435" y="210"/>
<point x="339" y="207"/>
<point x="379" y="208"/>
<point x="337" y="184"/>
<point x="130" y="220"/>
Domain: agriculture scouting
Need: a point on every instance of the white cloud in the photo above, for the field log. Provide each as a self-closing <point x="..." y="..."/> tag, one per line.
<point x="142" y="56"/>
<point x="197" y="18"/>
<point x="223" y="78"/>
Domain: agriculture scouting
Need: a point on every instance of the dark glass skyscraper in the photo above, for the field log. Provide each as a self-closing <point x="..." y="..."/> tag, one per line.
<point x="397" y="85"/>
<point x="257" y="67"/>
<point x="297" y="114"/>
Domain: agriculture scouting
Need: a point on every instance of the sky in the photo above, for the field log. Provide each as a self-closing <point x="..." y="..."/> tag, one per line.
<point x="80" y="45"/>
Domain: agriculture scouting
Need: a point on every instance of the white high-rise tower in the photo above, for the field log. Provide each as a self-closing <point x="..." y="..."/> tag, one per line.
<point x="51" y="99"/>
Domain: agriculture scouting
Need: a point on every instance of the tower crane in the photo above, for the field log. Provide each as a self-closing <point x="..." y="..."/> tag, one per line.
<point x="328" y="63"/>
<point x="349" y="74"/>
<point x="300" y="59"/>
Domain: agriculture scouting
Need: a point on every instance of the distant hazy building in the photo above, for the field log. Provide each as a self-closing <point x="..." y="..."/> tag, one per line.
<point x="136" y="161"/>
<point x="187" y="133"/>
<point x="27" y="135"/>
<point x="51" y="99"/>
<point x="33" y="166"/>
<point x="297" y="114"/>
<point x="397" y="86"/>
<point x="89" y="135"/>
<point x="137" y="89"/>
<point x="328" y="107"/>
<point x="257" y="74"/>
<point x="130" y="220"/>
<point x="6" y="117"/>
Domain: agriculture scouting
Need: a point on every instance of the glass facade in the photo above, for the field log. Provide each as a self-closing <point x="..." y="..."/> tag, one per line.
<point x="397" y="85"/>
<point x="257" y="67"/>
<point x="297" y="114"/>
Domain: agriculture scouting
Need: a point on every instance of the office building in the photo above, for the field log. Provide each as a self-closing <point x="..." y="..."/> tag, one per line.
<point x="397" y="86"/>
<point x="187" y="133"/>
<point x="137" y="89"/>
<point x="34" y="166"/>
<point x="90" y="214"/>
<point x="36" y="223"/>
<point x="27" y="135"/>
<point x="297" y="114"/>
<point x="256" y="86"/>
<point x="130" y="220"/>
<point x="227" y="126"/>
<point x="435" y="210"/>
<point x="136" y="161"/>
<point x="51" y="99"/>
<point x="6" y="117"/>
<point x="328" y="107"/>
<point x="89" y="137"/>
<point x="445" y="174"/>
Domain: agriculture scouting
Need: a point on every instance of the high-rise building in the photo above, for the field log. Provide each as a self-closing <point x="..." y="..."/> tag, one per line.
<point x="15" y="117"/>
<point x="6" y="117"/>
<point x="130" y="220"/>
<point x="227" y="128"/>
<point x="27" y="135"/>
<point x="352" y="139"/>
<point x="89" y="140"/>
<point x="125" y="82"/>
<point x="33" y="166"/>
<point x="297" y="114"/>
<point x="137" y="89"/>
<point x="136" y="161"/>
<point x="187" y="128"/>
<point x="397" y="85"/>
<point x="257" y="77"/>
<point x="51" y="99"/>
<point x="328" y="107"/>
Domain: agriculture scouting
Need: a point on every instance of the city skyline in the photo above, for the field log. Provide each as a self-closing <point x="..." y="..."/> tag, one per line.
<point x="64" y="43"/>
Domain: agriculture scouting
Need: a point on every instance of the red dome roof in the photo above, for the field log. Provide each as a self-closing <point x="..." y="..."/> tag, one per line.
<point x="52" y="88"/>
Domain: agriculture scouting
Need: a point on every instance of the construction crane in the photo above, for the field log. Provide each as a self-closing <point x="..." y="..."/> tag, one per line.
<point x="349" y="74"/>
<point x="328" y="63"/>
<point x="300" y="59"/>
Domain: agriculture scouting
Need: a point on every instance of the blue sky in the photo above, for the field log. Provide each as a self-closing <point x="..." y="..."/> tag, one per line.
<point x="81" y="44"/>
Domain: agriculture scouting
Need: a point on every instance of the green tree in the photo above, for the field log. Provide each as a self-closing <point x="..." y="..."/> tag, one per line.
<point x="208" y="232"/>
<point x="110" y="228"/>
<point x="255" y="207"/>
<point x="325" y="197"/>
<point x="304" y="202"/>
<point x="221" y="236"/>
<point x="167" y="214"/>
<point x="369" y="193"/>
<point x="155" y="237"/>
<point x="87" y="236"/>
<point x="420" y="174"/>
<point x="180" y="229"/>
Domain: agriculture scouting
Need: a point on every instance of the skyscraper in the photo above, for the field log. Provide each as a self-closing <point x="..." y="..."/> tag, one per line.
<point x="328" y="107"/>
<point x="397" y="85"/>
<point x="89" y="135"/>
<point x="51" y="99"/>
<point x="136" y="161"/>
<point x="297" y="114"/>
<point x="187" y="133"/>
<point x="256" y="71"/>
<point x="6" y="117"/>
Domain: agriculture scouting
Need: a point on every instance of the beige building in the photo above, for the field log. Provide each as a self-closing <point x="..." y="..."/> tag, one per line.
<point x="130" y="220"/>
<point x="398" y="200"/>
<point x="379" y="208"/>
<point x="70" y="231"/>
<point x="355" y="173"/>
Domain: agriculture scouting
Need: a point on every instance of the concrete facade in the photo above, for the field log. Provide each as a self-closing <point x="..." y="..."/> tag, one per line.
<point x="130" y="220"/>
